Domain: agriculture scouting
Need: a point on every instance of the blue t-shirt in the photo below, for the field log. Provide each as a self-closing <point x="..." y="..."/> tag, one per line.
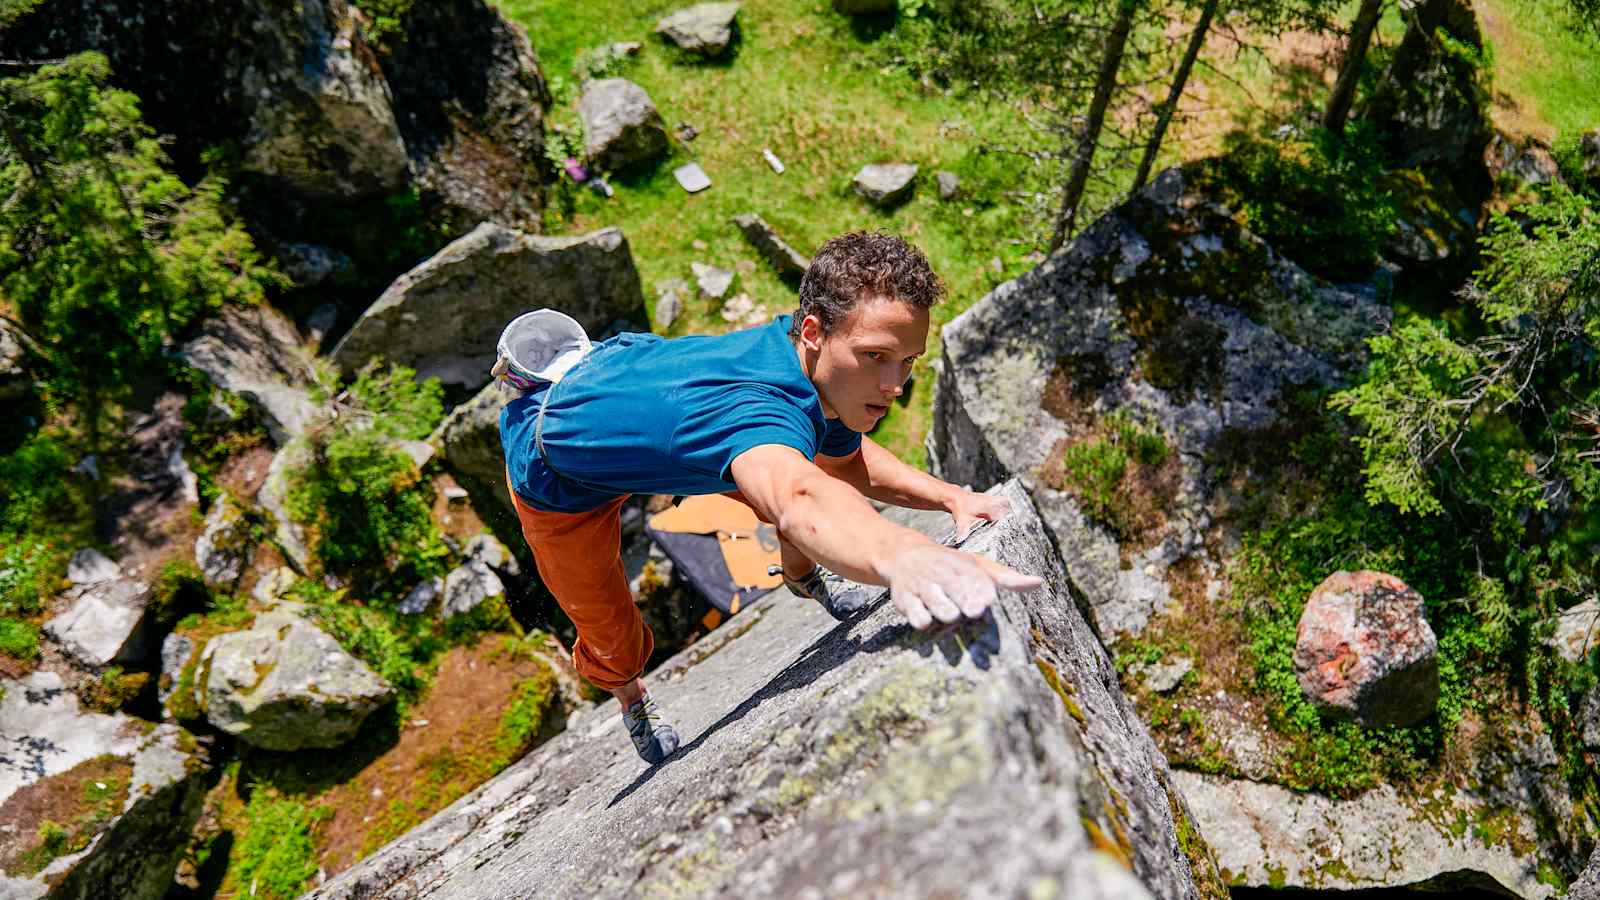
<point x="642" y="414"/>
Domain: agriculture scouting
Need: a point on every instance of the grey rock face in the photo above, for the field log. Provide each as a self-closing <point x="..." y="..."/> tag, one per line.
<point x="1587" y="887"/>
<point x="107" y="624"/>
<point x="273" y="585"/>
<point x="224" y="548"/>
<point x="1364" y="649"/>
<point x="255" y="352"/>
<point x="1267" y="835"/>
<point x="470" y="101"/>
<point x="1590" y="717"/>
<point x="443" y="317"/>
<point x="621" y="127"/>
<point x="467" y="586"/>
<point x="886" y="185"/>
<point x="285" y="684"/>
<point x="175" y="652"/>
<point x="1577" y="631"/>
<point x="469" y="440"/>
<point x="824" y="759"/>
<point x="705" y="28"/>
<point x="327" y="129"/>
<point x="44" y="735"/>
<point x="1167" y="312"/>
<point x="309" y="265"/>
<point x="488" y="549"/>
<point x="789" y="262"/>
<point x="273" y="497"/>
<point x="90" y="566"/>
<point x="1530" y="164"/>
<point x="1589" y="149"/>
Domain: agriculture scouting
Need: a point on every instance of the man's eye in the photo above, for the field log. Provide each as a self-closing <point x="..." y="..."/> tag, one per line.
<point x="874" y="356"/>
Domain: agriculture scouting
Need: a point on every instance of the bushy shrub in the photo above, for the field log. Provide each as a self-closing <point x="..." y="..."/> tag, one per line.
<point x="104" y="253"/>
<point x="44" y="515"/>
<point x="18" y="639"/>
<point x="1317" y="199"/>
<point x="365" y="502"/>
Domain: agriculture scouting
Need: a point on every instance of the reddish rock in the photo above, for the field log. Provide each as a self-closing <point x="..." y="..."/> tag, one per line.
<point x="1365" y="649"/>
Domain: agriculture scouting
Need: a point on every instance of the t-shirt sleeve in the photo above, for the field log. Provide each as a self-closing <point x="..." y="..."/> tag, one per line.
<point x="752" y="417"/>
<point x="839" y="440"/>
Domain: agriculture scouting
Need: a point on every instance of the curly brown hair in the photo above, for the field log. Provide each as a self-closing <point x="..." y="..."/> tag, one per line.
<point x="862" y="263"/>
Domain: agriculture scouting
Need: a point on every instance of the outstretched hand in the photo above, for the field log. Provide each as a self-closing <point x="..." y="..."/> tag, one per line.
<point x="969" y="508"/>
<point x="933" y="582"/>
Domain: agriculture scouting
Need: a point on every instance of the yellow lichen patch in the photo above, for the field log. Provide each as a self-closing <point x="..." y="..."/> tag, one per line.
<point x="1053" y="678"/>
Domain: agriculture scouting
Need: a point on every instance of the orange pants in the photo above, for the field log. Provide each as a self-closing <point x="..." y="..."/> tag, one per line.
<point x="579" y="556"/>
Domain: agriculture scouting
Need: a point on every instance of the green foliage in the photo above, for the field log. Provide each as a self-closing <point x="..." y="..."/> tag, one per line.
<point x="19" y="639"/>
<point x="217" y="425"/>
<point x="396" y="649"/>
<point x="12" y="10"/>
<point x="399" y="405"/>
<point x="276" y="857"/>
<point x="104" y="252"/>
<point x="367" y="506"/>
<point x="1316" y="199"/>
<point x="1095" y="471"/>
<point x="385" y="22"/>
<point x="524" y="719"/>
<point x="44" y="516"/>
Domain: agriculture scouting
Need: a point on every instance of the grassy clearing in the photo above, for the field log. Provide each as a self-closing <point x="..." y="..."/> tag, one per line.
<point x="1545" y="76"/>
<point x="804" y="83"/>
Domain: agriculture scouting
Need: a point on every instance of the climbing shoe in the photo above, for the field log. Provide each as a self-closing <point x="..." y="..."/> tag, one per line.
<point x="655" y="740"/>
<point x="842" y="599"/>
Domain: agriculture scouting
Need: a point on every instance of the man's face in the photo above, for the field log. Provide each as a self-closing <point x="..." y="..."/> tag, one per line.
<point x="862" y="366"/>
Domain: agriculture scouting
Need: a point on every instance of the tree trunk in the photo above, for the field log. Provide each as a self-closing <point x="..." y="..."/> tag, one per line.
<point x="1197" y="39"/>
<point x="1089" y="138"/>
<point x="1344" y="90"/>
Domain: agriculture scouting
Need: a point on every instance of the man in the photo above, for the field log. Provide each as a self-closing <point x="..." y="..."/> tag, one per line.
<point x="774" y="416"/>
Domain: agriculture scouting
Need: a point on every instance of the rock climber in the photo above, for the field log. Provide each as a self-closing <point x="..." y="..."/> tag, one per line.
<point x="773" y="416"/>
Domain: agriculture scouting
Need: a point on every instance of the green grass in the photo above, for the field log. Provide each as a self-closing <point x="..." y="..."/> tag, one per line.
<point x="19" y="639"/>
<point x="802" y="82"/>
<point x="1548" y="73"/>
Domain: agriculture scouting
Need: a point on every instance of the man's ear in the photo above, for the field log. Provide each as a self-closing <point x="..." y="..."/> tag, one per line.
<point x="811" y="332"/>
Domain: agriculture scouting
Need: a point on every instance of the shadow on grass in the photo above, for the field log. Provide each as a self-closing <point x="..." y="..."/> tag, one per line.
<point x="310" y="772"/>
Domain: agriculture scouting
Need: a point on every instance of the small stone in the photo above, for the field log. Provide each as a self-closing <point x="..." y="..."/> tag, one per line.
<point x="453" y="493"/>
<point x="1577" y="631"/>
<point x="772" y="160"/>
<point x="308" y="265"/>
<point x="467" y="586"/>
<point x="90" y="566"/>
<point x="1589" y="150"/>
<point x="1164" y="677"/>
<point x="669" y="302"/>
<point x="90" y="466"/>
<point x="419" y="451"/>
<point x="949" y="185"/>
<point x="273" y="585"/>
<point x="422" y="596"/>
<point x="705" y="28"/>
<point x="691" y="178"/>
<point x="714" y="282"/>
<point x="789" y="262"/>
<point x="687" y="132"/>
<point x="487" y="549"/>
<point x="738" y="308"/>
<point x="886" y="185"/>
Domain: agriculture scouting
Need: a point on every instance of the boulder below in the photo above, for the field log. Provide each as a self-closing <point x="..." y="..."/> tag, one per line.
<point x="285" y="684"/>
<point x="150" y="782"/>
<point x="994" y="759"/>
<point x="1266" y="835"/>
<point x="443" y="317"/>
<point x="255" y="352"/>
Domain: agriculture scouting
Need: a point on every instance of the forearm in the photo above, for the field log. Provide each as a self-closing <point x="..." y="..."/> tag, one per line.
<point x="881" y="475"/>
<point x="831" y="523"/>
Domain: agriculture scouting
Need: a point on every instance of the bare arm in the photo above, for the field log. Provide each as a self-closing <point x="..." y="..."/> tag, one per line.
<point x="881" y="475"/>
<point x="832" y="523"/>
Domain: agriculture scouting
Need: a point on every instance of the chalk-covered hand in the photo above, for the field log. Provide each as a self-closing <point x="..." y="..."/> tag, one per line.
<point x="968" y="508"/>
<point x="933" y="582"/>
